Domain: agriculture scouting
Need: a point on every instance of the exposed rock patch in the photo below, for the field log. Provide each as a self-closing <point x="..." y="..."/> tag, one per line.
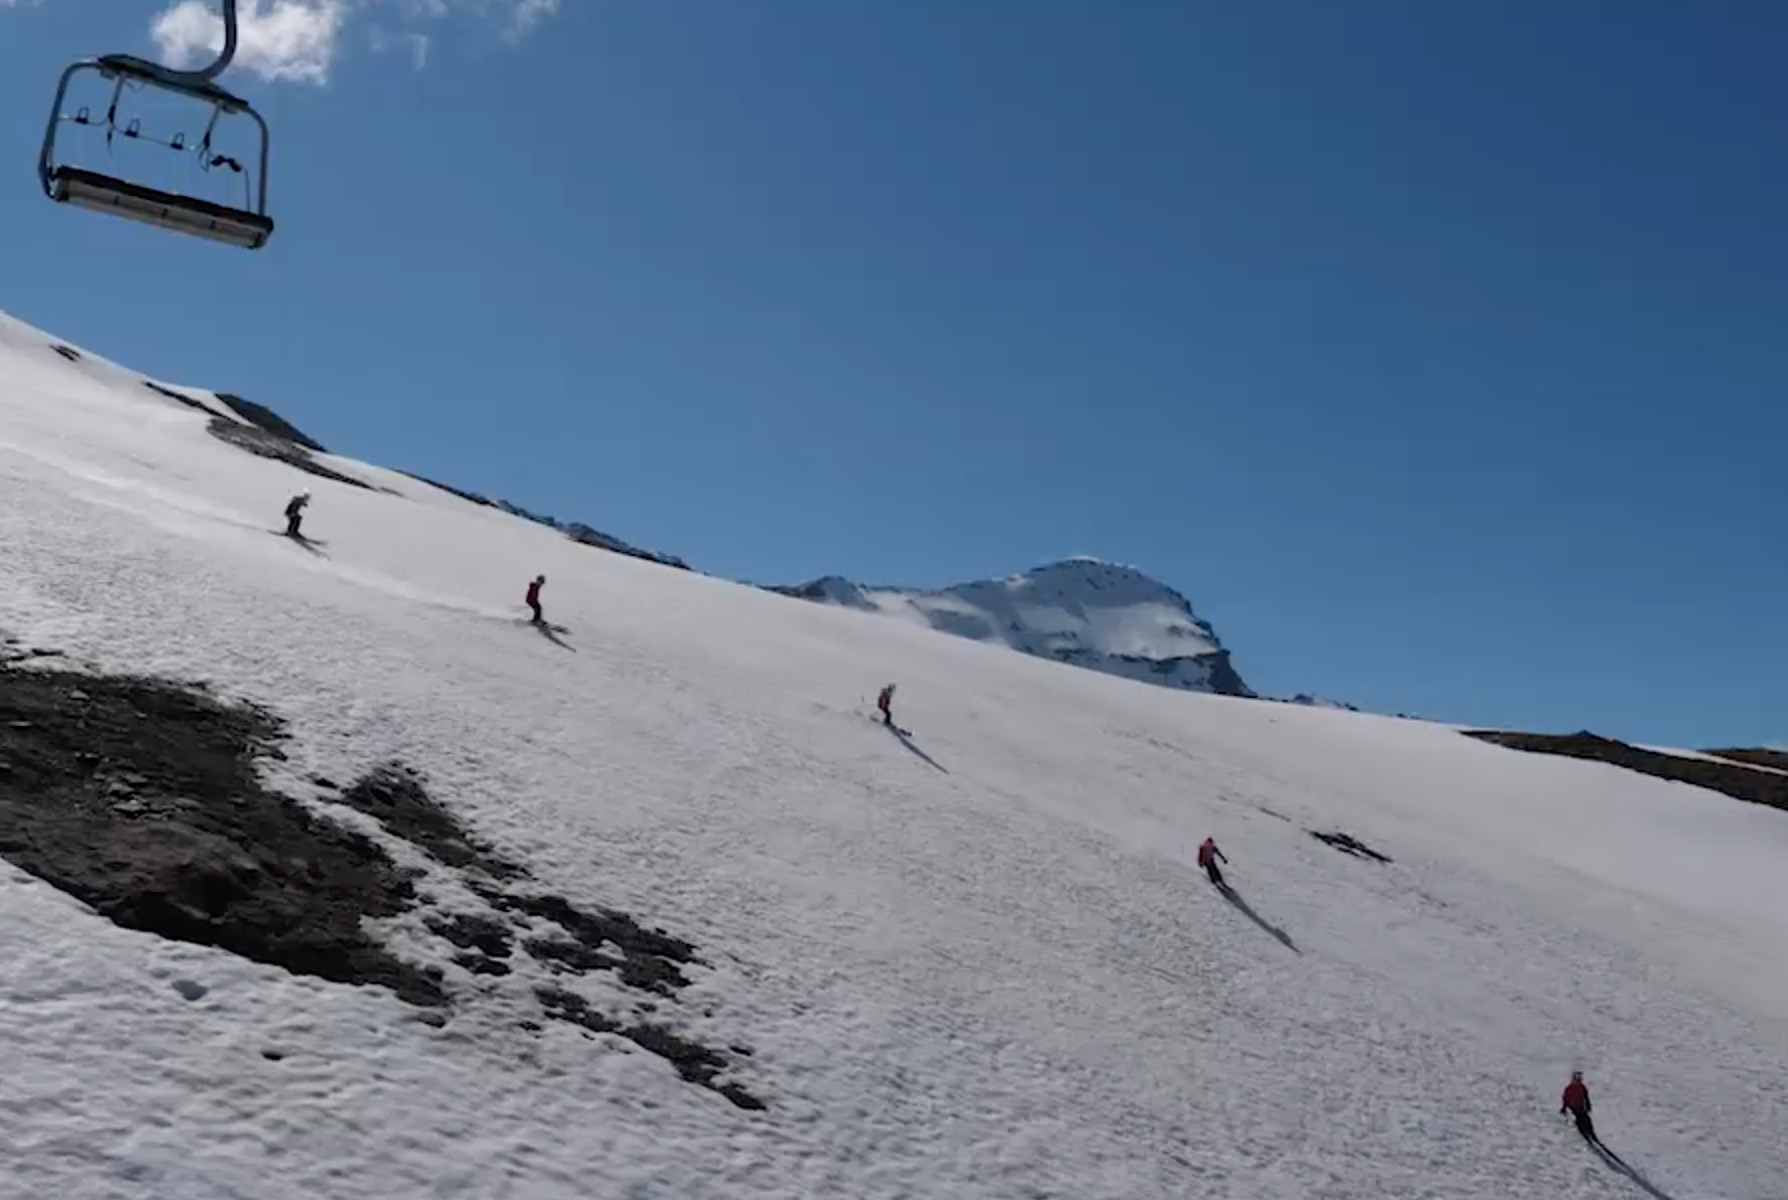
<point x="1731" y="778"/>
<point x="140" y="797"/>
<point x="259" y="442"/>
<point x="1756" y="756"/>
<point x="262" y="417"/>
<point x="487" y="935"/>
<point x="647" y="959"/>
<point x="171" y="394"/>
<point x="1348" y="844"/>
<point x="394" y="796"/>
<point x="577" y="531"/>
<point x="694" y="1062"/>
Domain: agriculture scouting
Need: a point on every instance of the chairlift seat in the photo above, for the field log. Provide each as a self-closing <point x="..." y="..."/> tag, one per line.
<point x="169" y="210"/>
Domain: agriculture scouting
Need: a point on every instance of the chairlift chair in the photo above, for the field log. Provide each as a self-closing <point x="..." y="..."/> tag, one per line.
<point x="248" y="226"/>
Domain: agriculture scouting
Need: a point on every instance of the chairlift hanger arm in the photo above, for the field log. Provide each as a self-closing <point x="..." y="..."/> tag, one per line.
<point x="206" y="74"/>
<point x="199" y="84"/>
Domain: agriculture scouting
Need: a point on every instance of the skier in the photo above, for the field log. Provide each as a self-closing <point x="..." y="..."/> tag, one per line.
<point x="1208" y="854"/>
<point x="295" y="514"/>
<point x="885" y="702"/>
<point x="1576" y="1102"/>
<point x="534" y="597"/>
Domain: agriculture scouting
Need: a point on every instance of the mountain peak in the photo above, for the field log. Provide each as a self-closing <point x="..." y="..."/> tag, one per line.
<point x="1083" y="611"/>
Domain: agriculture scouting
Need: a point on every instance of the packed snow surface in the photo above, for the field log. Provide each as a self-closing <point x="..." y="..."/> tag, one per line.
<point x="1083" y="611"/>
<point x="974" y="964"/>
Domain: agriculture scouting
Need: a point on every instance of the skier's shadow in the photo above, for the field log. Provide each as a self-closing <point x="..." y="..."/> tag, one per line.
<point x="313" y="547"/>
<point x="1234" y="897"/>
<point x="550" y="634"/>
<point x="1620" y="1164"/>
<point x="906" y="739"/>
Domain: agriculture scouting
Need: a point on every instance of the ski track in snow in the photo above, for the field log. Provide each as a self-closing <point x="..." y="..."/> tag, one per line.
<point x="1006" y="980"/>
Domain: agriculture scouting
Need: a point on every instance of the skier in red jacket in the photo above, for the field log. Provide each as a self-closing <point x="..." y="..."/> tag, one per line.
<point x="1576" y="1102"/>
<point x="885" y="702"/>
<point x="534" y="597"/>
<point x="1208" y="854"/>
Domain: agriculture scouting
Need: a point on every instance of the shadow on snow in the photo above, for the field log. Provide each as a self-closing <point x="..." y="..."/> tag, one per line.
<point x="1242" y="906"/>
<point x="1620" y="1165"/>
<point x="551" y="634"/>
<point x="906" y="739"/>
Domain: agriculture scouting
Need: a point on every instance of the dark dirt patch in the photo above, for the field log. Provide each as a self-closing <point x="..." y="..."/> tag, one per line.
<point x="697" y="1064"/>
<point x="649" y="957"/>
<point x="740" y="1097"/>
<point x="573" y="956"/>
<point x="693" y="1062"/>
<point x="263" y="444"/>
<point x="1730" y="778"/>
<point x="139" y="797"/>
<point x="1348" y="844"/>
<point x="1756" y="756"/>
<point x="601" y="940"/>
<point x="481" y="964"/>
<point x="487" y="935"/>
<point x="562" y="1005"/>
<point x="395" y="796"/>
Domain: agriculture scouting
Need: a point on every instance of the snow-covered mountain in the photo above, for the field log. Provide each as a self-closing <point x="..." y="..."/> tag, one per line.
<point x="1081" y="611"/>
<point x="1309" y="701"/>
<point x="327" y="876"/>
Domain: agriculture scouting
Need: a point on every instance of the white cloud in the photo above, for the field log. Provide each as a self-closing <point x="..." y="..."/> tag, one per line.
<point x="529" y="13"/>
<point x="416" y="44"/>
<point x="300" y="40"/>
<point x="279" y="39"/>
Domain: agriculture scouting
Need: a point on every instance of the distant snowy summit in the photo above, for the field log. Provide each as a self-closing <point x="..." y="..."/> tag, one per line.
<point x="1082" y="611"/>
<point x="1309" y="701"/>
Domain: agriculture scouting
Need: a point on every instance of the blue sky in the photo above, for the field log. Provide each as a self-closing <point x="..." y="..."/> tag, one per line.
<point x="1438" y="352"/>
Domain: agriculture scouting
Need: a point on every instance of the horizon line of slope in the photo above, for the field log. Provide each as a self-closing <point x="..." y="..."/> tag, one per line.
<point x="1213" y="671"/>
<point x="255" y="415"/>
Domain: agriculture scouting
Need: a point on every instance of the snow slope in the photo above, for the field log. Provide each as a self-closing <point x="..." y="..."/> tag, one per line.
<point x="973" y="966"/>
<point x="1081" y="611"/>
